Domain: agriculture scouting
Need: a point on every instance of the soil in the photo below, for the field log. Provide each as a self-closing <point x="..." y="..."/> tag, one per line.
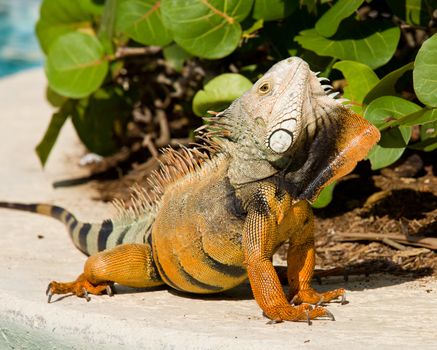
<point x="383" y="221"/>
<point x="399" y="201"/>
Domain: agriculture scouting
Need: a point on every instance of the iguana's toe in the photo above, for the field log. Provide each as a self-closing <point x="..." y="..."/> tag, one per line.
<point x="311" y="296"/>
<point x="82" y="288"/>
<point x="303" y="312"/>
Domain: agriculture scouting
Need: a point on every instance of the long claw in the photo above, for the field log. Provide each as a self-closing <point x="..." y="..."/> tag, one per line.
<point x="274" y="321"/>
<point x="308" y="318"/>
<point x="49" y="299"/>
<point x="343" y="300"/>
<point x="49" y="293"/>
<point x="109" y="290"/>
<point x="330" y="315"/>
<point x="85" y="294"/>
<point x="292" y="301"/>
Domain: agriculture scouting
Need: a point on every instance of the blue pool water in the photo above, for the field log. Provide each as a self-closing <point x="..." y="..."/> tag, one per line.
<point x="19" y="48"/>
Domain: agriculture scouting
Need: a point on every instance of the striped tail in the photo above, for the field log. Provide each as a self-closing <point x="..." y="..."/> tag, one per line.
<point x="89" y="238"/>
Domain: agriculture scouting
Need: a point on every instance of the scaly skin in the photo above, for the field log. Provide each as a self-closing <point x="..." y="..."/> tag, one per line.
<point x="210" y="224"/>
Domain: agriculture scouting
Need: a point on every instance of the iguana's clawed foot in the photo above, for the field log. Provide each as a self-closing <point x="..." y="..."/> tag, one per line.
<point x="310" y="296"/>
<point x="303" y="312"/>
<point x="81" y="288"/>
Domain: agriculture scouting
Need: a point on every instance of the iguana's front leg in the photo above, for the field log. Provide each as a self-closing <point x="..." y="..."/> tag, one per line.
<point x="301" y="261"/>
<point x="259" y="241"/>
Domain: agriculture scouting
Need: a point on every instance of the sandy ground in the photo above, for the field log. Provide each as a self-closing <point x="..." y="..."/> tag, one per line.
<point x="384" y="312"/>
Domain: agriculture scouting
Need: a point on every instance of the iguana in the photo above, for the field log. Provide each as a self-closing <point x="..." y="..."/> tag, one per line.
<point x="216" y="218"/>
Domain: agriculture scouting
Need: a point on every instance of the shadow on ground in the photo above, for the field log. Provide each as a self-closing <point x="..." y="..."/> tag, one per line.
<point x="355" y="277"/>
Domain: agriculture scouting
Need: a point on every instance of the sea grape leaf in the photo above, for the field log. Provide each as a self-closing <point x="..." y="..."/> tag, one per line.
<point x="206" y="28"/>
<point x="95" y="7"/>
<point x="328" y="23"/>
<point x="383" y="156"/>
<point x="54" y="98"/>
<point x="325" y="196"/>
<point x="141" y="20"/>
<point x="371" y="43"/>
<point x="393" y="140"/>
<point x="385" y="108"/>
<point x="311" y="5"/>
<point x="428" y="137"/>
<point x="99" y="118"/>
<point x="270" y="10"/>
<point x="176" y="56"/>
<point x="107" y="26"/>
<point x="425" y="72"/>
<point x="386" y="86"/>
<point x="46" y="144"/>
<point x="219" y="92"/>
<point x="413" y="12"/>
<point x="427" y="145"/>
<point x="76" y="65"/>
<point x="428" y="130"/>
<point x="360" y="78"/>
<point x="58" y="17"/>
<point x="420" y="117"/>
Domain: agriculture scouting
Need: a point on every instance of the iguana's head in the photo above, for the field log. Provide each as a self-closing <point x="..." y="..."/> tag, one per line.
<point x="279" y="106"/>
<point x="276" y="124"/>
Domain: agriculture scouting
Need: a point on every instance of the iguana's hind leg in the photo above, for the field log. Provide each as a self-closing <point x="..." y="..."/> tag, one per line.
<point x="301" y="262"/>
<point x="128" y="264"/>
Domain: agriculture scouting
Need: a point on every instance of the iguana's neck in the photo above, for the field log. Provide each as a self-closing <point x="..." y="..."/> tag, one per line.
<point x="246" y="164"/>
<point x="245" y="146"/>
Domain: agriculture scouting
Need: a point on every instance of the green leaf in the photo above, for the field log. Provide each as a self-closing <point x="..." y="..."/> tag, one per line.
<point x="76" y="65"/>
<point x="176" y="56"/>
<point x="414" y="12"/>
<point x="360" y="78"/>
<point x="311" y="5"/>
<point x="220" y="92"/>
<point x="419" y="12"/>
<point x="257" y="25"/>
<point x="107" y="24"/>
<point x="327" y="24"/>
<point x="58" y="17"/>
<point x="94" y="7"/>
<point x="425" y="72"/>
<point x="386" y="85"/>
<point x="388" y="107"/>
<point x="381" y="157"/>
<point x="54" y="98"/>
<point x="100" y="120"/>
<point x="394" y="140"/>
<point x="141" y="20"/>
<point x="428" y="130"/>
<point x="422" y="116"/>
<point x="45" y="146"/>
<point x="428" y="145"/>
<point x="413" y="9"/>
<point x="325" y="196"/>
<point x="206" y="28"/>
<point x="269" y="10"/>
<point x="371" y="43"/>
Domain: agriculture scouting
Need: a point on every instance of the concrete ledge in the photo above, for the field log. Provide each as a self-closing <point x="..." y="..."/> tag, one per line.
<point x="384" y="313"/>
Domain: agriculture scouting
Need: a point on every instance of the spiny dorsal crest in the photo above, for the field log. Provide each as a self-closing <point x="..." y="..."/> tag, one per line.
<point x="174" y="165"/>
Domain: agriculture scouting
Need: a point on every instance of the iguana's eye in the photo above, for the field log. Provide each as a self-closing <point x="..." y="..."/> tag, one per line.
<point x="264" y="88"/>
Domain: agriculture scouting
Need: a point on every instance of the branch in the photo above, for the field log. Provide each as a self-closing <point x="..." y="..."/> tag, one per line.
<point x="136" y="51"/>
<point x="420" y="241"/>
